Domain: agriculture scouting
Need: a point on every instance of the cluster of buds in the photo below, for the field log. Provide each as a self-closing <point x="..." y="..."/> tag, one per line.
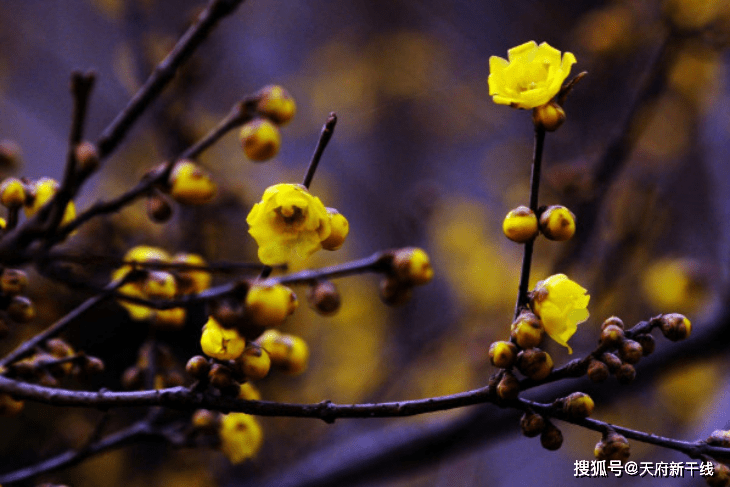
<point x="260" y="137"/>
<point x="555" y="222"/>
<point x="407" y="267"/>
<point x="153" y="359"/>
<point x="575" y="406"/>
<point x="619" y="353"/>
<point x="55" y="360"/>
<point x="15" y="306"/>
<point x="31" y="195"/>
<point x="184" y="274"/>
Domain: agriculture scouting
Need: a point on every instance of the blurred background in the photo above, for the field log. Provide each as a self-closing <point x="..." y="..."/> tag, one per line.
<point x="420" y="156"/>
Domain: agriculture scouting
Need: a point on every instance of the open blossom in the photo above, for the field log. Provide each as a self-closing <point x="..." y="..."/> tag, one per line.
<point x="531" y="77"/>
<point x="288" y="224"/>
<point x="561" y="305"/>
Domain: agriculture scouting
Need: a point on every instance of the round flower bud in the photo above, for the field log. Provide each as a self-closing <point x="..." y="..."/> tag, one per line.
<point x="597" y="371"/>
<point x="268" y="306"/>
<point x="240" y="436"/>
<point x="535" y="363"/>
<point x="647" y="342"/>
<point x="132" y="378"/>
<point x="254" y="362"/>
<point x="520" y="225"/>
<point x="613" y="320"/>
<point x="675" y="326"/>
<point x="527" y="330"/>
<point x="509" y="387"/>
<point x="551" y="438"/>
<point x="612" y="446"/>
<point x="248" y="392"/>
<point x="93" y="366"/>
<point x="40" y="193"/>
<point x="160" y="285"/>
<point x="198" y="367"/>
<point x="324" y="297"/>
<point x="612" y="336"/>
<point x="626" y="374"/>
<point x="158" y="209"/>
<point x="221" y="377"/>
<point x="205" y="420"/>
<point x="548" y="117"/>
<point x="260" y="139"/>
<point x="87" y="157"/>
<point x="12" y="193"/>
<point x="340" y="227"/>
<point x="288" y="352"/>
<point x="412" y="266"/>
<point x="395" y="292"/>
<point x="21" y="309"/>
<point x="532" y="424"/>
<point x="630" y="352"/>
<point x="190" y="184"/>
<point x="720" y="475"/>
<point x="503" y="354"/>
<point x="612" y="362"/>
<point x="10" y="154"/>
<point x="298" y="359"/>
<point x="557" y="223"/>
<point x="719" y="438"/>
<point x="276" y="103"/>
<point x="13" y="282"/>
<point x="578" y="405"/>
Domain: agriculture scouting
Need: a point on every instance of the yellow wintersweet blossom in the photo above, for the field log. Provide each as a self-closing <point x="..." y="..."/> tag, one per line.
<point x="221" y="343"/>
<point x="561" y="305"/>
<point x="240" y="435"/>
<point x="288" y="224"/>
<point x="532" y="76"/>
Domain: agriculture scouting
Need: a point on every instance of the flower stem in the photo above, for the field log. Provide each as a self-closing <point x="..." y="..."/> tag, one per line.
<point x="327" y="130"/>
<point x="534" y="189"/>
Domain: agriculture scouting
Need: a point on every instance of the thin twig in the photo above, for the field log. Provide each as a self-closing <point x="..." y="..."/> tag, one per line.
<point x="327" y="131"/>
<point x="534" y="190"/>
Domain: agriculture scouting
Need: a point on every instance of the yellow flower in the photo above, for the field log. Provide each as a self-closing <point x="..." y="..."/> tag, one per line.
<point x="221" y="343"/>
<point x="532" y="76"/>
<point x="561" y="305"/>
<point x="43" y="191"/>
<point x="240" y="436"/>
<point x="288" y="224"/>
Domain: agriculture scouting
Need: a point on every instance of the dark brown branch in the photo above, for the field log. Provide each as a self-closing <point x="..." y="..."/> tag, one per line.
<point x="327" y="131"/>
<point x="164" y="73"/>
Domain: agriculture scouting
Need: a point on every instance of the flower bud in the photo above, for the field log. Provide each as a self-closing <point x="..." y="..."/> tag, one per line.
<point x="557" y="223"/>
<point x="158" y="209"/>
<point x="324" y="298"/>
<point x="597" y="371"/>
<point x="549" y="117"/>
<point x="21" y="309"/>
<point x="535" y="363"/>
<point x="503" y="354"/>
<point x="254" y="362"/>
<point x="626" y="374"/>
<point x="268" y="306"/>
<point x="93" y="366"/>
<point x="520" y="225"/>
<point x="221" y="377"/>
<point x="190" y="184"/>
<point x="578" y="405"/>
<point x="288" y="352"/>
<point x="612" y="446"/>
<point x="276" y="103"/>
<point x="12" y="193"/>
<point x="10" y="154"/>
<point x="509" y="387"/>
<point x="630" y="352"/>
<point x="611" y="336"/>
<point x="260" y="139"/>
<point x="87" y="158"/>
<point x="527" y="331"/>
<point x="198" y="367"/>
<point x="532" y="424"/>
<point x="132" y="378"/>
<point x="412" y="266"/>
<point x="191" y="281"/>
<point x="719" y="438"/>
<point x="675" y="326"/>
<point x="612" y="362"/>
<point x="613" y="320"/>
<point x="551" y="438"/>
<point x="205" y="420"/>
<point x="720" y="475"/>
<point x="647" y="342"/>
<point x="339" y="228"/>
<point x="248" y="392"/>
<point x="13" y="282"/>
